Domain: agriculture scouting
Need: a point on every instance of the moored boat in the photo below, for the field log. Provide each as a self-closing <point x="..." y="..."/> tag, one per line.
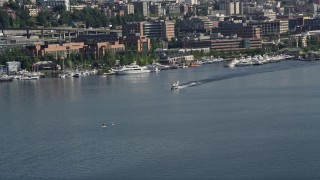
<point x="5" y="78"/>
<point x="132" y="69"/>
<point x="76" y="75"/>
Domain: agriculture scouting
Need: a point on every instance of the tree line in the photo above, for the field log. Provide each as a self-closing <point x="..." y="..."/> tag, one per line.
<point x="58" y="16"/>
<point x="79" y="60"/>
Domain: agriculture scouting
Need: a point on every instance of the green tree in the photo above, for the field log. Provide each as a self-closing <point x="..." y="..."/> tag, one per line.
<point x="4" y="19"/>
<point x="44" y="17"/>
<point x="59" y="8"/>
<point x="299" y="42"/>
<point x="109" y="58"/>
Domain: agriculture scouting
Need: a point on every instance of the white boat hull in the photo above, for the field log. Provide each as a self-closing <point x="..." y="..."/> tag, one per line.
<point x="133" y="72"/>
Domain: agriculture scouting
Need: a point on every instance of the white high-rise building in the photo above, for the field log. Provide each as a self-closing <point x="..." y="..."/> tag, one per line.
<point x="232" y="7"/>
<point x="52" y="3"/>
<point x="2" y="2"/>
<point x="191" y="2"/>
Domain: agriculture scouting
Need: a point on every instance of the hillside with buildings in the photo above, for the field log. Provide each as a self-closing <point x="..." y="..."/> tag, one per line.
<point x="85" y="31"/>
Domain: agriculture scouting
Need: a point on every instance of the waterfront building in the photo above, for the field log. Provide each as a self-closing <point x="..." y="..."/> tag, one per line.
<point x="168" y="30"/>
<point x="295" y="52"/>
<point x="13" y="67"/>
<point x="137" y="43"/>
<point x="235" y="44"/>
<point x="198" y="24"/>
<point x="298" y="40"/>
<point x="312" y="55"/>
<point x="194" y="40"/>
<point x="153" y="29"/>
<point x="100" y="48"/>
<point x="17" y="40"/>
<point x="271" y="28"/>
<point x="175" y="59"/>
<point x="240" y="29"/>
<point x="45" y="65"/>
<point x="180" y="50"/>
<point x="132" y="28"/>
<point x="58" y="50"/>
<point x="158" y="30"/>
<point x="95" y="38"/>
<point x="66" y="49"/>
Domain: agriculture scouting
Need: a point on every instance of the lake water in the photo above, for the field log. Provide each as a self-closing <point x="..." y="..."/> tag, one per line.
<point x="259" y="122"/>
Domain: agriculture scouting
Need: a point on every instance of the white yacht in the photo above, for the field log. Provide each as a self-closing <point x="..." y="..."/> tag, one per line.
<point x="162" y="67"/>
<point x="29" y="77"/>
<point x="5" y="78"/>
<point x="133" y="69"/>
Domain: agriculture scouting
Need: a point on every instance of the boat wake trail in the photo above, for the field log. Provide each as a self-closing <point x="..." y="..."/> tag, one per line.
<point x="189" y="84"/>
<point x="247" y="72"/>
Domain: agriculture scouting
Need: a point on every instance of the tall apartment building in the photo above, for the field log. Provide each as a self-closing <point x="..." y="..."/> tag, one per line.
<point x="274" y="28"/>
<point x="173" y="9"/>
<point x="242" y="30"/>
<point x="141" y="7"/>
<point x="155" y="9"/>
<point x="132" y="28"/>
<point x="198" y="24"/>
<point x="191" y="2"/>
<point x="53" y="3"/>
<point x="151" y="29"/>
<point x="311" y="22"/>
<point x="3" y="1"/>
<point x="184" y="9"/>
<point x="168" y="30"/>
<point x="129" y="9"/>
<point x="232" y="7"/>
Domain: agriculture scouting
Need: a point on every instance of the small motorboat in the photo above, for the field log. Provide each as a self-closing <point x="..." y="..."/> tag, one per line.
<point x="103" y="126"/>
<point x="76" y="75"/>
<point x="175" y="85"/>
<point x="104" y="75"/>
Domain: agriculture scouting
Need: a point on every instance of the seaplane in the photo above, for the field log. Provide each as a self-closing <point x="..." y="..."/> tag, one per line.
<point x="175" y="85"/>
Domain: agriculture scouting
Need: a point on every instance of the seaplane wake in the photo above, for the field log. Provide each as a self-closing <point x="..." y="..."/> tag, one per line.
<point x="178" y="85"/>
